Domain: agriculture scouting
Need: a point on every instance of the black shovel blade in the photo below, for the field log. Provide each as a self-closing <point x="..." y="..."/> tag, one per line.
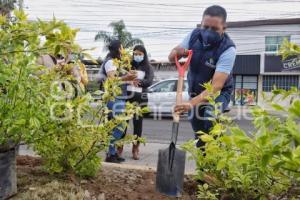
<point x="170" y="171"/>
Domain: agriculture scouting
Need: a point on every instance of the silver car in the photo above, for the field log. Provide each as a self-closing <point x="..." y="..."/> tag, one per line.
<point x="162" y="96"/>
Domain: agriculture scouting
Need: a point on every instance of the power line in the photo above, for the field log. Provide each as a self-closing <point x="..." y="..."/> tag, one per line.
<point x="117" y="6"/>
<point x="151" y="9"/>
<point x="158" y="6"/>
<point x="136" y="20"/>
<point x="190" y="28"/>
<point x="152" y="4"/>
<point x="87" y="14"/>
<point x="134" y="4"/>
<point x="121" y="4"/>
<point x="185" y="32"/>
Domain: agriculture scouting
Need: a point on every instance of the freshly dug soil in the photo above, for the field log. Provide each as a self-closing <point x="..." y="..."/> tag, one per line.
<point x="112" y="183"/>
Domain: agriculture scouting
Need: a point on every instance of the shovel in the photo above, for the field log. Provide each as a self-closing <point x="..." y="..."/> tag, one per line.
<point x="171" y="161"/>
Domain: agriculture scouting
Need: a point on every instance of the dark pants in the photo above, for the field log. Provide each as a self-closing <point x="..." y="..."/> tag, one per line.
<point x="117" y="107"/>
<point x="199" y="116"/>
<point x="141" y="100"/>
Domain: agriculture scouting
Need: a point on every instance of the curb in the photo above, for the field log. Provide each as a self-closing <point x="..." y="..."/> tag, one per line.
<point x="129" y="166"/>
<point x="136" y="167"/>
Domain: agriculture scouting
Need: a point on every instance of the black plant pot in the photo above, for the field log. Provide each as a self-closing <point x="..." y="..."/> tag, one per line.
<point x="8" y="176"/>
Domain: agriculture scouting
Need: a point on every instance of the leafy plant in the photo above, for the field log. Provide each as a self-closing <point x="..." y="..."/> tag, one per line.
<point x="260" y="165"/>
<point x="43" y="107"/>
<point x="124" y="64"/>
<point x="19" y="85"/>
<point x="77" y="131"/>
<point x="289" y="49"/>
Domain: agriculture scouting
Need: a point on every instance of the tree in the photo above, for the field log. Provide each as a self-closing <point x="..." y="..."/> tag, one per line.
<point x="119" y="32"/>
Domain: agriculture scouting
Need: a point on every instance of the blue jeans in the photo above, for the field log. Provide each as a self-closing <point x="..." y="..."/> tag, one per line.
<point x="117" y="107"/>
<point x="199" y="116"/>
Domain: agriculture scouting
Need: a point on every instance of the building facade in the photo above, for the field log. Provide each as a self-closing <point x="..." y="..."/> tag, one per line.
<point x="258" y="67"/>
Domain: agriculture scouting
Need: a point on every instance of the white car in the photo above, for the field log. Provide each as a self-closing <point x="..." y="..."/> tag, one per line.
<point x="162" y="96"/>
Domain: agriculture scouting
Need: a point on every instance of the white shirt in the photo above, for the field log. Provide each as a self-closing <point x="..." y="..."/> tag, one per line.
<point x="109" y="66"/>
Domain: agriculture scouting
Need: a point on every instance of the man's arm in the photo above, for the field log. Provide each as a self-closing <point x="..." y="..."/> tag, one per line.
<point x="180" y="50"/>
<point x="223" y="70"/>
<point x="111" y="72"/>
<point x="218" y="82"/>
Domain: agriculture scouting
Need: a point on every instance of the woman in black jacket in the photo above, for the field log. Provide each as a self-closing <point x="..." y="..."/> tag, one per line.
<point x="137" y="90"/>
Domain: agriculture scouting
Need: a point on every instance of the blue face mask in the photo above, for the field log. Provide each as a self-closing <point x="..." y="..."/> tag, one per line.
<point x="210" y="38"/>
<point x="138" y="59"/>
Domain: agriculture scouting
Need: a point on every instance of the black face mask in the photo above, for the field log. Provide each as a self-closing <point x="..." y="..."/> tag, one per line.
<point x="210" y="38"/>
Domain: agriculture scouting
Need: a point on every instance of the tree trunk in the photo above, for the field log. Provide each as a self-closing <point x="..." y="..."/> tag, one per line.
<point x="8" y="177"/>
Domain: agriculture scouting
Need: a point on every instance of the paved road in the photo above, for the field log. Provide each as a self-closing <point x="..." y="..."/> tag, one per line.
<point x="159" y="131"/>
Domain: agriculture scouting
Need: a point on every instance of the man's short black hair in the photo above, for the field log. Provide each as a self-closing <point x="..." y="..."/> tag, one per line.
<point x="216" y="11"/>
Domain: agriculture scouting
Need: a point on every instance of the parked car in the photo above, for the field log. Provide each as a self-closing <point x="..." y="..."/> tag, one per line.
<point x="162" y="96"/>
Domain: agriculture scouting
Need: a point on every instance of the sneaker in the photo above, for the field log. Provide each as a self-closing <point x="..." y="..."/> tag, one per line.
<point x="120" y="159"/>
<point x="120" y="150"/>
<point x="112" y="159"/>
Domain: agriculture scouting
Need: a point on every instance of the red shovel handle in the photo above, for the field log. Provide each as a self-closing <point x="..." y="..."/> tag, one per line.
<point x="182" y="68"/>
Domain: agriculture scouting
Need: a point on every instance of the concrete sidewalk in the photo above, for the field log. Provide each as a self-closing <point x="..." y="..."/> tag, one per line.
<point x="148" y="157"/>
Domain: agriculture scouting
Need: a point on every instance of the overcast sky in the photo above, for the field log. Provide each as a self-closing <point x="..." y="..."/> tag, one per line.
<point x="161" y="24"/>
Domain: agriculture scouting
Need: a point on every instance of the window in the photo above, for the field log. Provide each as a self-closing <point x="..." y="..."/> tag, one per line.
<point x="245" y="90"/>
<point x="280" y="82"/>
<point x="165" y="86"/>
<point x="273" y="43"/>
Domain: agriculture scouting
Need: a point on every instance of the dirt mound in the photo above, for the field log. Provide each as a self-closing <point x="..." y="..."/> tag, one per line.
<point x="28" y="161"/>
<point x="111" y="183"/>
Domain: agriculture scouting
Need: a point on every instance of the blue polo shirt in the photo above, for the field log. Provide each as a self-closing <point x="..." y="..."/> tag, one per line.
<point x="226" y="60"/>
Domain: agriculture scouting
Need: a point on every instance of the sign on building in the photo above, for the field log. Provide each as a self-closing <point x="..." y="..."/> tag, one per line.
<point x="276" y="64"/>
<point x="292" y="64"/>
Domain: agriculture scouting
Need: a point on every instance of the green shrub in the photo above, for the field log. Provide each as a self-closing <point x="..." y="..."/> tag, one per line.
<point x="261" y="165"/>
<point x="20" y="90"/>
<point x="43" y="107"/>
<point x="74" y="131"/>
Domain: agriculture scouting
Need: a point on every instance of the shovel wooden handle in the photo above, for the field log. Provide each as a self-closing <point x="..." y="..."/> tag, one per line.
<point x="179" y="91"/>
